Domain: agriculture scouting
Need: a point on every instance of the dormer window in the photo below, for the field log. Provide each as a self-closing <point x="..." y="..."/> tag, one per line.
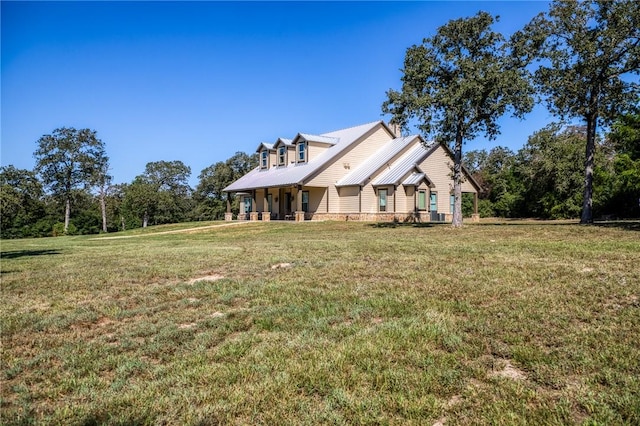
<point x="282" y="155"/>
<point x="302" y="151"/>
<point x="264" y="159"/>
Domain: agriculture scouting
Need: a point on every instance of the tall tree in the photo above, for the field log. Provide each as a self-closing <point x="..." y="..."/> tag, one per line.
<point x="457" y="84"/>
<point x="589" y="50"/>
<point x="68" y="159"/>
<point x="161" y="193"/>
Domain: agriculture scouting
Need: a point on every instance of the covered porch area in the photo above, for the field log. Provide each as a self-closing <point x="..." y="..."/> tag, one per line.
<point x="295" y="202"/>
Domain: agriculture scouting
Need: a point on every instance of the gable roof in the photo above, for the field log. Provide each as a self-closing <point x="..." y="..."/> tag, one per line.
<point x="316" y="138"/>
<point x="267" y="146"/>
<point x="386" y="153"/>
<point x="296" y="173"/>
<point x="406" y="164"/>
<point x="283" y="141"/>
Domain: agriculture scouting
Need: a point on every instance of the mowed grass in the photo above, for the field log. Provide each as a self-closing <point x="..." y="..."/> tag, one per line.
<point x="325" y="323"/>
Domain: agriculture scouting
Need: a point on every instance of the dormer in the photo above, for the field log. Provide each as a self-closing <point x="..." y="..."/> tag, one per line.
<point x="264" y="155"/>
<point x="307" y="145"/>
<point x="281" y="149"/>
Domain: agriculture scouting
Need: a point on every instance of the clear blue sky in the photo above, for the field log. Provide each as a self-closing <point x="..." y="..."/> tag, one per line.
<point x="198" y="81"/>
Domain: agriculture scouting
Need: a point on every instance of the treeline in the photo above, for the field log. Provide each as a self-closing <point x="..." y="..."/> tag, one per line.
<point x="70" y="191"/>
<point x="544" y="179"/>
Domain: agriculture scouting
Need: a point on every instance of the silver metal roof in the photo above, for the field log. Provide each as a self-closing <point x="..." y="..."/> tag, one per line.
<point x="384" y="155"/>
<point x="296" y="173"/>
<point x="406" y="163"/>
<point x="319" y="138"/>
<point x="415" y="179"/>
<point x="269" y="146"/>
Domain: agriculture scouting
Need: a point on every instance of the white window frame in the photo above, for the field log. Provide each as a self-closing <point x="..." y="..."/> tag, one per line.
<point x="282" y="155"/>
<point x="264" y="159"/>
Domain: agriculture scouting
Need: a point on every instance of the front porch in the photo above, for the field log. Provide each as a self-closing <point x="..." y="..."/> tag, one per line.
<point x="295" y="203"/>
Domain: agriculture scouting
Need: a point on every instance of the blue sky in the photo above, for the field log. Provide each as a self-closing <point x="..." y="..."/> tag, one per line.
<point x="198" y="81"/>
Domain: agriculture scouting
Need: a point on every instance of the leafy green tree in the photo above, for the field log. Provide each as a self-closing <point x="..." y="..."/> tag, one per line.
<point x="209" y="197"/>
<point x="550" y="169"/>
<point x="587" y="50"/>
<point x="21" y="203"/>
<point x="162" y="193"/>
<point x="69" y="159"/>
<point x="458" y="83"/>
<point x="625" y="135"/>
<point x="619" y="174"/>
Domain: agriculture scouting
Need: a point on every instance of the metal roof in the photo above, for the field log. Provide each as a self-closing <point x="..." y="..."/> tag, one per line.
<point x="284" y="141"/>
<point x="318" y="138"/>
<point x="383" y="156"/>
<point x="406" y="163"/>
<point x="415" y="179"/>
<point x="269" y="146"/>
<point x="296" y="173"/>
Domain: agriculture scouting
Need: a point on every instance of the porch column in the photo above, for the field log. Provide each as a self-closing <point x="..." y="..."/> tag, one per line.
<point x="299" y="212"/>
<point x="254" y="213"/>
<point x="475" y="217"/>
<point x="266" y="214"/>
<point x="228" y="215"/>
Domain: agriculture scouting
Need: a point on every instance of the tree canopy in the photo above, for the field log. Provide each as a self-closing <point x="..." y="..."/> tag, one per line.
<point x="457" y="84"/>
<point x="586" y="49"/>
<point x="69" y="159"/>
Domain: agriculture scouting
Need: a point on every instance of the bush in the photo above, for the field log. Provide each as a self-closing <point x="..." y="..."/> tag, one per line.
<point x="58" y="229"/>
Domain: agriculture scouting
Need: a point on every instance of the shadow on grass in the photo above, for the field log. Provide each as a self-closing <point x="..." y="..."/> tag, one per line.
<point x="14" y="254"/>
<point x="407" y="224"/>
<point x="629" y="225"/>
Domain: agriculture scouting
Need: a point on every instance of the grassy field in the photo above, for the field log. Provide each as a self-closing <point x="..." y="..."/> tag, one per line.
<point x="324" y="323"/>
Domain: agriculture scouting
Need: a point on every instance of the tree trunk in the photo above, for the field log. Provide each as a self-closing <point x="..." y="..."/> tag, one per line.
<point x="587" y="203"/>
<point x="145" y="219"/>
<point x="122" y="222"/>
<point x="457" y="182"/>
<point x="67" y="214"/>
<point x="103" y="208"/>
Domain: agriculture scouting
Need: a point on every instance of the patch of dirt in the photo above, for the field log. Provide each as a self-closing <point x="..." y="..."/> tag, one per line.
<point x="211" y="278"/>
<point x="103" y="322"/>
<point x="440" y="422"/>
<point x="281" y="265"/>
<point x="192" y="300"/>
<point x="217" y="315"/>
<point x="187" y="325"/>
<point x="509" y="371"/>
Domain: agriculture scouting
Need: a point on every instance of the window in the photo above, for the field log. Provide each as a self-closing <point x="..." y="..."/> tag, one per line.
<point x="247" y="204"/>
<point x="305" y="201"/>
<point x="264" y="159"/>
<point x="382" y="200"/>
<point x="302" y="152"/>
<point x="452" y="202"/>
<point x="433" y="202"/>
<point x="282" y="155"/>
<point x="270" y="202"/>
<point x="422" y="200"/>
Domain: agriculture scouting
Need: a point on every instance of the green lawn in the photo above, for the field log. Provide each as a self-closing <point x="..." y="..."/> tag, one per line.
<point x="325" y="323"/>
